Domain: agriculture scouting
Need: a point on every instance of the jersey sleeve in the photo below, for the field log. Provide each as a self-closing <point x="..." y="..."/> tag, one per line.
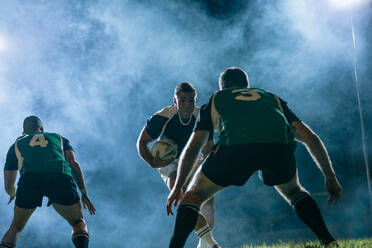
<point x="154" y="125"/>
<point x="11" y="162"/>
<point x="66" y="145"/>
<point x="204" y="121"/>
<point x="288" y="113"/>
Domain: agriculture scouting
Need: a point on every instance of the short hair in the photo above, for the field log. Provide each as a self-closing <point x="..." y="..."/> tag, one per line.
<point x="233" y="77"/>
<point x="31" y="124"/>
<point x="184" y="87"/>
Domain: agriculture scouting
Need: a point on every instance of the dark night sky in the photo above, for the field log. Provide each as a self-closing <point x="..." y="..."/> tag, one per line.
<point x="94" y="71"/>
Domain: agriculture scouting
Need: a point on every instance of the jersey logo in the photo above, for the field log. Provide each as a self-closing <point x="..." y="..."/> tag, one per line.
<point x="246" y="95"/>
<point x="38" y="140"/>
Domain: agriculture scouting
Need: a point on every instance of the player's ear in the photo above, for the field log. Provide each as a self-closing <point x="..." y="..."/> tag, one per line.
<point x="175" y="101"/>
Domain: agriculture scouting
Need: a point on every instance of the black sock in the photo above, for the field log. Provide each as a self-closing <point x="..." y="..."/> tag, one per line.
<point x="6" y="245"/>
<point x="186" y="218"/>
<point x="80" y="240"/>
<point x="309" y="213"/>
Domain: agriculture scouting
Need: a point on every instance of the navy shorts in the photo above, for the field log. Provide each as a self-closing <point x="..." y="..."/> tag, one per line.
<point x="58" y="187"/>
<point x="234" y="165"/>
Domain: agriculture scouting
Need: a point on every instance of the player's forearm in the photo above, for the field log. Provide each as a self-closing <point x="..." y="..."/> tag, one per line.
<point x="144" y="152"/>
<point x="187" y="160"/>
<point x="9" y="181"/>
<point x="79" y="177"/>
<point x="319" y="153"/>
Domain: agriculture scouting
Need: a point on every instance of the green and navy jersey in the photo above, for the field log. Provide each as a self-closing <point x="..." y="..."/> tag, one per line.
<point x="167" y="124"/>
<point x="247" y="115"/>
<point x="39" y="152"/>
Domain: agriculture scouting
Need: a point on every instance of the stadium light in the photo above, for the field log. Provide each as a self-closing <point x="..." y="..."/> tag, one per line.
<point x="349" y="4"/>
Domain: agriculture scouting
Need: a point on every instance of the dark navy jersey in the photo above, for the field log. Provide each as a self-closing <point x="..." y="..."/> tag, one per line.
<point x="11" y="162"/>
<point x="247" y="115"/>
<point x="167" y="124"/>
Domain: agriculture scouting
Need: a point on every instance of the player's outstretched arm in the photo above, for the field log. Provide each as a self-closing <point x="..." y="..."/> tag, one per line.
<point x="143" y="150"/>
<point x="10" y="177"/>
<point x="319" y="153"/>
<point x="188" y="158"/>
<point x="80" y="181"/>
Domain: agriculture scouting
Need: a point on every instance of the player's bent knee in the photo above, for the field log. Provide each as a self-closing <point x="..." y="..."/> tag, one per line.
<point x="80" y="226"/>
<point x="194" y="197"/>
<point x="80" y="235"/>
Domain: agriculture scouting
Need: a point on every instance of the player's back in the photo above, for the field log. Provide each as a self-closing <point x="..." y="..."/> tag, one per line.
<point x="41" y="152"/>
<point x="249" y="115"/>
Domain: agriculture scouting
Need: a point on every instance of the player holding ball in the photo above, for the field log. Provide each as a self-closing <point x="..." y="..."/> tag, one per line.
<point x="176" y="123"/>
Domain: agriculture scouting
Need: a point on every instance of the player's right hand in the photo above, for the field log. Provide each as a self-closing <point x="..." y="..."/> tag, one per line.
<point x="156" y="162"/>
<point x="174" y="196"/>
<point x="334" y="189"/>
<point x="88" y="204"/>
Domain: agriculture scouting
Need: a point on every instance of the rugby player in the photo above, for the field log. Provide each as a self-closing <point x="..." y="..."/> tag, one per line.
<point x="177" y="123"/>
<point x="257" y="131"/>
<point x="47" y="165"/>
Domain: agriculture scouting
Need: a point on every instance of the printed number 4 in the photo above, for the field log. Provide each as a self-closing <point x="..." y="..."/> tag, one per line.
<point x="38" y="140"/>
<point x="247" y="95"/>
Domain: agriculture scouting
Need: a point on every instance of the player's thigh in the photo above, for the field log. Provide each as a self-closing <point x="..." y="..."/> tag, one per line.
<point x="200" y="188"/>
<point x="290" y="189"/>
<point x="169" y="180"/>
<point x="21" y="216"/>
<point x="71" y="213"/>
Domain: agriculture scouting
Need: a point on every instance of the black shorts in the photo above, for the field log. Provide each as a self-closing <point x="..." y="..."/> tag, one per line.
<point x="233" y="165"/>
<point x="58" y="187"/>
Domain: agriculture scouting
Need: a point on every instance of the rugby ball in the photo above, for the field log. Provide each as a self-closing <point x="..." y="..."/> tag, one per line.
<point x="166" y="148"/>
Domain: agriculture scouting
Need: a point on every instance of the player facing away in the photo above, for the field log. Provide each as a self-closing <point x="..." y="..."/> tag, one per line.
<point x="257" y="131"/>
<point x="47" y="167"/>
<point x="177" y="123"/>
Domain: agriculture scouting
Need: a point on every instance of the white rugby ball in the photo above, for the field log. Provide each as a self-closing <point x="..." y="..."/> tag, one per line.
<point x="167" y="148"/>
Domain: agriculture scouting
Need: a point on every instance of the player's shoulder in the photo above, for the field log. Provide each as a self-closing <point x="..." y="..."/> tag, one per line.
<point x="167" y="112"/>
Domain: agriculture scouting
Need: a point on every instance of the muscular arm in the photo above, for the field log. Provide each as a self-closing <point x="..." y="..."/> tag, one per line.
<point x="189" y="155"/>
<point x="319" y="153"/>
<point x="143" y="146"/>
<point x="77" y="172"/>
<point x="10" y="177"/>
<point x="143" y="150"/>
<point x="315" y="147"/>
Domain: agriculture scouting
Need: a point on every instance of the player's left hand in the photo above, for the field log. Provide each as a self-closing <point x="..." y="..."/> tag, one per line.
<point x="12" y="195"/>
<point x="334" y="189"/>
<point x="174" y="196"/>
<point x="88" y="204"/>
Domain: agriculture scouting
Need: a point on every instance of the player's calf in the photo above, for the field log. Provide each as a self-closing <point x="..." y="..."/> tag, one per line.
<point x="80" y="235"/>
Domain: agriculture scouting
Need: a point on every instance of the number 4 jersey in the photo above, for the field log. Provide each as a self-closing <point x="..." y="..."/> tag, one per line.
<point x="247" y="115"/>
<point x="39" y="152"/>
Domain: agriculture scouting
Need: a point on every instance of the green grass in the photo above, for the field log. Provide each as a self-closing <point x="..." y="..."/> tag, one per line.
<point x="349" y="243"/>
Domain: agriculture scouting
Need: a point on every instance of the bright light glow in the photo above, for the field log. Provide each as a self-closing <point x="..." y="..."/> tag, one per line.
<point x="347" y="3"/>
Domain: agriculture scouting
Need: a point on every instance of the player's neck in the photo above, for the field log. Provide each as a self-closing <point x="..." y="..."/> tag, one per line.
<point x="184" y="121"/>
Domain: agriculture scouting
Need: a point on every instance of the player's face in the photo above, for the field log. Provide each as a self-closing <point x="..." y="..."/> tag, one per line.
<point x="185" y="103"/>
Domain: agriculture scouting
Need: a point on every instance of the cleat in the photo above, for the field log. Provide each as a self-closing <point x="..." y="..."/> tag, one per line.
<point x="333" y="244"/>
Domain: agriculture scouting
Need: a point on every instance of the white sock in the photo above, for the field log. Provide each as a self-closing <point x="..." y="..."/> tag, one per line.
<point x="202" y="244"/>
<point x="205" y="235"/>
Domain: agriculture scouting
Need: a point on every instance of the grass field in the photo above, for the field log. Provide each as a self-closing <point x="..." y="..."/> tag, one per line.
<point x="350" y="243"/>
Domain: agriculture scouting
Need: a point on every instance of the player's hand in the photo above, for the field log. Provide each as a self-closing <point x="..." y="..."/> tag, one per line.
<point x="334" y="189"/>
<point x="156" y="162"/>
<point x="174" y="196"/>
<point x="12" y="195"/>
<point x="88" y="204"/>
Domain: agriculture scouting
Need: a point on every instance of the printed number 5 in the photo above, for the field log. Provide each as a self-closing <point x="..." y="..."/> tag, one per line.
<point x="247" y="95"/>
<point x="38" y="140"/>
